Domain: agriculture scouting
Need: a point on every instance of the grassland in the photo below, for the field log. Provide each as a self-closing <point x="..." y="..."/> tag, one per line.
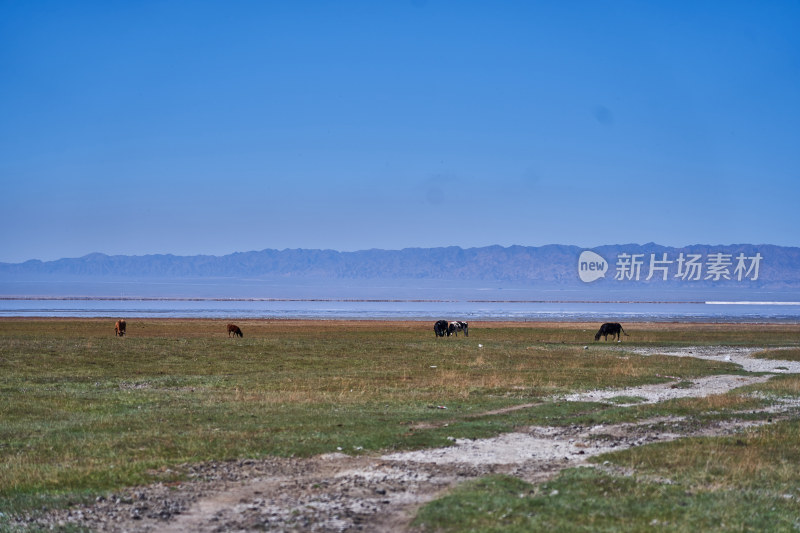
<point x="83" y="412"/>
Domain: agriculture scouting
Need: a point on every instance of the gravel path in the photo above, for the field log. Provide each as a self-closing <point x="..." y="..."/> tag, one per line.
<point x="377" y="493"/>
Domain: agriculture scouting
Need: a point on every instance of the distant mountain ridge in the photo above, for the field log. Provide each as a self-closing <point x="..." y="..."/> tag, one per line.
<point x="551" y="264"/>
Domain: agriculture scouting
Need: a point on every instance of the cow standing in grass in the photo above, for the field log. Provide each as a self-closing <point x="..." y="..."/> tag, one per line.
<point x="454" y="327"/>
<point x="610" y="328"/>
<point x="119" y="328"/>
<point x="233" y="330"/>
<point x="440" y="328"/>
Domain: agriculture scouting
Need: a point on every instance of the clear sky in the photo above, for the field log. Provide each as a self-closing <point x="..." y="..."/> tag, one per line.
<point x="209" y="127"/>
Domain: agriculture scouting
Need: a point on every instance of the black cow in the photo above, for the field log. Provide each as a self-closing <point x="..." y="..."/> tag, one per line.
<point x="610" y="328"/>
<point x="455" y="327"/>
<point x="440" y="328"/>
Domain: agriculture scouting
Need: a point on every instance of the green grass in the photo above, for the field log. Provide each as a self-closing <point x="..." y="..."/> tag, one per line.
<point x="784" y="354"/>
<point x="83" y="412"/>
<point x="626" y="399"/>
<point x="748" y="482"/>
<point x="589" y="500"/>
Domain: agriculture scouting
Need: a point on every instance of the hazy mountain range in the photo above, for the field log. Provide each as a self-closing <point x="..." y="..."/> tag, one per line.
<point x="776" y="266"/>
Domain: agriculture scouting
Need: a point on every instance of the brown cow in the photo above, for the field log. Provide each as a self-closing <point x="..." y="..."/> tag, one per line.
<point x="233" y="328"/>
<point x="119" y="328"/>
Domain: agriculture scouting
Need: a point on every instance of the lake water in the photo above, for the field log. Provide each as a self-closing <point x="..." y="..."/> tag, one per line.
<point x="397" y="310"/>
<point x="411" y="300"/>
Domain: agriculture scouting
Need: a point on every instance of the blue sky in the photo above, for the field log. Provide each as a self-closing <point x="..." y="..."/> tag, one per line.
<point x="214" y="127"/>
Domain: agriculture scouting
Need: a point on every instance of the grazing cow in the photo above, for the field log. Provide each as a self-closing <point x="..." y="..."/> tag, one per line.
<point x="440" y="328"/>
<point x="610" y="328"/>
<point x="234" y="329"/>
<point x="119" y="328"/>
<point x="455" y="327"/>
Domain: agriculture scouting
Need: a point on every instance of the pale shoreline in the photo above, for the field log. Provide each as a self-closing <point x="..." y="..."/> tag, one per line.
<point x="383" y="300"/>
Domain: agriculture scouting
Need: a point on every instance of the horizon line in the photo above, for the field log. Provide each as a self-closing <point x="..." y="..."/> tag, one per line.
<point x="170" y="254"/>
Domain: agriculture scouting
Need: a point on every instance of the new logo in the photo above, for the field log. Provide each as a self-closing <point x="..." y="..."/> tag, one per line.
<point x="591" y="266"/>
